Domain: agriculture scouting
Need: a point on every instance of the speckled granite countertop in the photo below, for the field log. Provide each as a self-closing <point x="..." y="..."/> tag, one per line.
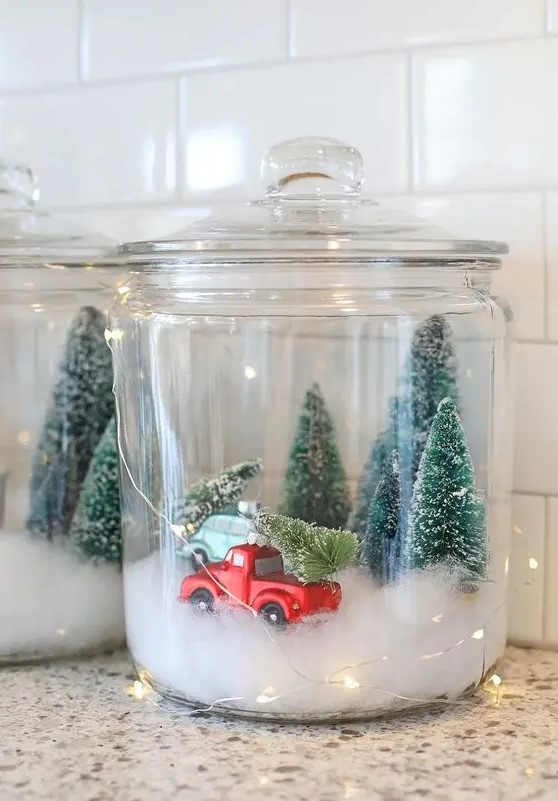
<point x="70" y="732"/>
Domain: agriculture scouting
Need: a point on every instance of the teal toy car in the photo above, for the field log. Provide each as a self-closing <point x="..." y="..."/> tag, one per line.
<point x="215" y="536"/>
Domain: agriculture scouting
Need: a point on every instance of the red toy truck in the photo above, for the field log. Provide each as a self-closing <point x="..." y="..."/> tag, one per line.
<point x="256" y="576"/>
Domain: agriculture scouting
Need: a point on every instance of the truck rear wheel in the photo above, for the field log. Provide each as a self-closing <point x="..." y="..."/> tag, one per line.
<point x="274" y="613"/>
<point x="202" y="600"/>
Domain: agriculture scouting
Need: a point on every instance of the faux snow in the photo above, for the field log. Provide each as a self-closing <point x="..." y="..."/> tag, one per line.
<point x="52" y="604"/>
<point x="421" y="639"/>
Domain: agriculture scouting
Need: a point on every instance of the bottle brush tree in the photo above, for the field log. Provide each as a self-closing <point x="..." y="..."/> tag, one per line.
<point x="314" y="553"/>
<point x="81" y="407"/>
<point x="315" y="487"/>
<point x="380" y="542"/>
<point x="447" y="524"/>
<point x="429" y="376"/>
<point x="96" y="529"/>
<point x="215" y="495"/>
<point x="374" y="468"/>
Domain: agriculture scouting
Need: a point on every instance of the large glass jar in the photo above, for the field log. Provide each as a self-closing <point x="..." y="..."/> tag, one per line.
<point x="60" y="577"/>
<point x="313" y="422"/>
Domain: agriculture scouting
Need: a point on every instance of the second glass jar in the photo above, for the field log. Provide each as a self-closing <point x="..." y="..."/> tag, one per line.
<point x="315" y="437"/>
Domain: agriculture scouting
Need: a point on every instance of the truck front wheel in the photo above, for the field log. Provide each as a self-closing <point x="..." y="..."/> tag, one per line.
<point x="202" y="600"/>
<point x="273" y="613"/>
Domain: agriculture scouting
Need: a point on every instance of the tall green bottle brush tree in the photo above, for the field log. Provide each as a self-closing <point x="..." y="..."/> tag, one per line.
<point x="429" y="375"/>
<point x="96" y="530"/>
<point x="315" y="486"/>
<point x="81" y="407"/>
<point x="380" y="544"/>
<point x="447" y="521"/>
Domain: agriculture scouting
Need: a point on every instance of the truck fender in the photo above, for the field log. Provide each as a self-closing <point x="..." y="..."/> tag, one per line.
<point x="276" y="597"/>
<point x="195" y="582"/>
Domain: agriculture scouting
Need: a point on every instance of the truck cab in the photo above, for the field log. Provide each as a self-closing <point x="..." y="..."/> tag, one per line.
<point x="254" y="576"/>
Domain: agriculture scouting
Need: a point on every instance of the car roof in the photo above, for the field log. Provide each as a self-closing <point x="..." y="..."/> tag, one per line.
<point x="259" y="551"/>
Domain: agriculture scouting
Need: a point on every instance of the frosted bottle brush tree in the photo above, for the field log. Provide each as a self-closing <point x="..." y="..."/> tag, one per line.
<point x="315" y="485"/>
<point x="214" y="495"/>
<point x="81" y="407"/>
<point x="447" y="516"/>
<point x="96" y="529"/>
<point x="429" y="376"/>
<point x="380" y="544"/>
<point x="373" y="470"/>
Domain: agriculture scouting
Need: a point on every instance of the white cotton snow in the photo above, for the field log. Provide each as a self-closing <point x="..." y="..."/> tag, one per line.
<point x="52" y="603"/>
<point x="383" y="649"/>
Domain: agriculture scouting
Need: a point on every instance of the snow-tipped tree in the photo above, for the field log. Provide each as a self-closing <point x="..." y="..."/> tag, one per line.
<point x="380" y="543"/>
<point x="315" y="487"/>
<point x="374" y="468"/>
<point x="81" y="407"/>
<point x="215" y="495"/>
<point x="313" y="553"/>
<point x="429" y="375"/>
<point x="447" y="524"/>
<point x="96" y="529"/>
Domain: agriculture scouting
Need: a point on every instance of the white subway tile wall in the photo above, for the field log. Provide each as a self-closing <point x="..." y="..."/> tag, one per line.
<point x="141" y="37"/>
<point x="526" y="579"/>
<point x="230" y="119"/>
<point x="39" y="42"/>
<point x="347" y="26"/>
<point x="136" y="114"/>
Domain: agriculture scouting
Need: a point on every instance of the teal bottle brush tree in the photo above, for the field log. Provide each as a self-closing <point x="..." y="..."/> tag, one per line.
<point x="380" y="544"/>
<point x="96" y="528"/>
<point x="447" y="522"/>
<point x="429" y="376"/>
<point x="80" y="409"/>
<point x="315" y="486"/>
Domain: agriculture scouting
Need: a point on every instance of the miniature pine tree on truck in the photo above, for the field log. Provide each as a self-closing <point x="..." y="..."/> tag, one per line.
<point x="214" y="495"/>
<point x="96" y="528"/>
<point x="315" y="482"/>
<point x="81" y="408"/>
<point x="447" y="517"/>
<point x="314" y="553"/>
<point x="380" y="543"/>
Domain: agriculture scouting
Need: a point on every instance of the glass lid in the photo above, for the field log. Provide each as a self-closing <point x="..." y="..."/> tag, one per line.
<point x="313" y="203"/>
<point x="29" y="235"/>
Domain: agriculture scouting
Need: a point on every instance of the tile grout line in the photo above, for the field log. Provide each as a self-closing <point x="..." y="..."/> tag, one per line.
<point x="80" y="37"/>
<point x="544" y="218"/>
<point x="180" y="101"/>
<point x="547" y="18"/>
<point x="410" y="121"/>
<point x="289" y="30"/>
<point x="546" y="568"/>
<point x="533" y="494"/>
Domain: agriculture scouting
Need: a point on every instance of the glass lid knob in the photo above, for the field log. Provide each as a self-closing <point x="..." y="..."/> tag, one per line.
<point x="312" y="166"/>
<point x="18" y="186"/>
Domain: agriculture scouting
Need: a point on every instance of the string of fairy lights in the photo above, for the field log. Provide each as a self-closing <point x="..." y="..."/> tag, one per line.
<point x="341" y="677"/>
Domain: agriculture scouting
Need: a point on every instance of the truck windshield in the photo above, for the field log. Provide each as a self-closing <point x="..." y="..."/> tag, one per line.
<point x="269" y="564"/>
